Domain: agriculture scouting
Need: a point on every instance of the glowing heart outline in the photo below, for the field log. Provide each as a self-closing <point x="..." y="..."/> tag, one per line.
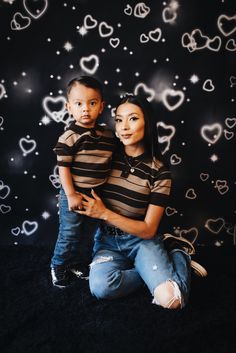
<point x="227" y="45"/>
<point x="5" y="208"/>
<point x="33" y="225"/>
<point x="103" y="25"/>
<point x="184" y="233"/>
<point x="175" y="160"/>
<point x="171" y="92"/>
<point x="204" y="176"/>
<point x="202" y="36"/>
<point x="36" y="17"/>
<point x="170" y="211"/>
<point x="128" y="10"/>
<point x="141" y="10"/>
<point x="15" y="231"/>
<point x="54" y="178"/>
<point x="88" y="59"/>
<point x="209" y="83"/>
<point x="220" y="25"/>
<point x="150" y="92"/>
<point x="24" y="140"/>
<point x="228" y="134"/>
<point x="173" y="14"/>
<point x="92" y="20"/>
<point x="211" y="127"/>
<point x="144" y="38"/>
<point x="114" y="42"/>
<point x="232" y="80"/>
<point x="153" y="32"/>
<point x="166" y="138"/>
<point x="7" y="192"/>
<point x="212" y="221"/>
<point x="212" y="41"/>
<point x="55" y="115"/>
<point x="230" y="122"/>
<point x="191" y="194"/>
<point x="2" y="91"/>
<point x="18" y="27"/>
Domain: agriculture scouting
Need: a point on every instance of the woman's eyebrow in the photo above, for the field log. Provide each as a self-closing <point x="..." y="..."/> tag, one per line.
<point x="120" y="115"/>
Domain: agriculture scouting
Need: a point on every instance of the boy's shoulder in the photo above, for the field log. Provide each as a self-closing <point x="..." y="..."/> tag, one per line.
<point x="105" y="130"/>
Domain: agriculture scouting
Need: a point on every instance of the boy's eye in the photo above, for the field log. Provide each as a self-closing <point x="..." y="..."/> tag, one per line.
<point x="79" y="104"/>
<point x="93" y="103"/>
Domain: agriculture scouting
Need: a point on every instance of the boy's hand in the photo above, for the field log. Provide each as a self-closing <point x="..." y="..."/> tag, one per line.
<point x="74" y="201"/>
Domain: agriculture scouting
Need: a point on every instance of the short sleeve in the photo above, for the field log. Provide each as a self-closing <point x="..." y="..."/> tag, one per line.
<point x="64" y="150"/>
<point x="161" y="188"/>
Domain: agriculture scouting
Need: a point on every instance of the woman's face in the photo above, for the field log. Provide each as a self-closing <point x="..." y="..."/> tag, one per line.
<point x="130" y="124"/>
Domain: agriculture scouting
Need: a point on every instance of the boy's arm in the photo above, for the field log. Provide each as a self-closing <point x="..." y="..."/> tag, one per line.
<point x="73" y="197"/>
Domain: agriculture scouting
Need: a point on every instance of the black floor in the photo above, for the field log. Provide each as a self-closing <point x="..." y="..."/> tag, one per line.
<point x="38" y="318"/>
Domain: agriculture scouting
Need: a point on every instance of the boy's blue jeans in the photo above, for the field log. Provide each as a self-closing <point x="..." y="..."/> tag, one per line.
<point x="73" y="231"/>
<point x="122" y="263"/>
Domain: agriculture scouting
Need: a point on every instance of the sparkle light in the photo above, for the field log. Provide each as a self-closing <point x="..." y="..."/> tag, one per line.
<point x="45" y="215"/>
<point x="82" y="31"/>
<point x="45" y="120"/>
<point x="214" y="158"/>
<point x="194" y="78"/>
<point x="68" y="46"/>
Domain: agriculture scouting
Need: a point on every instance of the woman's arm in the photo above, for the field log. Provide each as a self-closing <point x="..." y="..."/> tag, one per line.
<point x="94" y="207"/>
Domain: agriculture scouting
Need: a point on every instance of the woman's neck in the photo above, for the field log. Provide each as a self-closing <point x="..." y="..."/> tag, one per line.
<point x="134" y="151"/>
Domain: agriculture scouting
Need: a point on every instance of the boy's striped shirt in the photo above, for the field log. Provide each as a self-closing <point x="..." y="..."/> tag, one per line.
<point x="87" y="152"/>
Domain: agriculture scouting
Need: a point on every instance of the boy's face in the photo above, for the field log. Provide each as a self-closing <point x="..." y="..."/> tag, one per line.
<point x="85" y="105"/>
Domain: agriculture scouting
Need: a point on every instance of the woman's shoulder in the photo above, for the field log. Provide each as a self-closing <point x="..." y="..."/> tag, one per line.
<point x="159" y="168"/>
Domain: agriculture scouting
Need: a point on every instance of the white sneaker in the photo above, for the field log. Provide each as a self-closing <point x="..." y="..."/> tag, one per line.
<point x="198" y="269"/>
<point x="173" y="242"/>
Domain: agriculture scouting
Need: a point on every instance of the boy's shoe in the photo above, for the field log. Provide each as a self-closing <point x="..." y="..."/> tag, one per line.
<point x="61" y="277"/>
<point x="172" y="243"/>
<point x="76" y="270"/>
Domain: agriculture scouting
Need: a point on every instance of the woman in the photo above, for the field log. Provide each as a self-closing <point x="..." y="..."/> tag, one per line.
<point x="127" y="251"/>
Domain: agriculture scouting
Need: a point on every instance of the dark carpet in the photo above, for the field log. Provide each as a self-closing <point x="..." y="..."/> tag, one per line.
<point x="36" y="317"/>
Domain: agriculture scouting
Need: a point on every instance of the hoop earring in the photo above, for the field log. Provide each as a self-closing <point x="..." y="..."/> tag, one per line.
<point x="117" y="135"/>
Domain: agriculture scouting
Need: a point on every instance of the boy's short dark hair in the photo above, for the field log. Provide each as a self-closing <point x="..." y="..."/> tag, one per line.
<point x="86" y="81"/>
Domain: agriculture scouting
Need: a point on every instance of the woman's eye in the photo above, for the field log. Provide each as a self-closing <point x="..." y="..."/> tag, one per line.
<point x="117" y="120"/>
<point x="133" y="118"/>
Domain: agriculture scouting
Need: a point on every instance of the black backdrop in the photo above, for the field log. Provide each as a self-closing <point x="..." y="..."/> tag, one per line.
<point x="180" y="54"/>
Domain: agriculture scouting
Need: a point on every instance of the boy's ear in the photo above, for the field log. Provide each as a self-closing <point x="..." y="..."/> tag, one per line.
<point x="102" y="107"/>
<point x="67" y="106"/>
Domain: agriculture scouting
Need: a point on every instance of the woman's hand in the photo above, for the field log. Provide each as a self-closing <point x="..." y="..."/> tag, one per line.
<point x="93" y="206"/>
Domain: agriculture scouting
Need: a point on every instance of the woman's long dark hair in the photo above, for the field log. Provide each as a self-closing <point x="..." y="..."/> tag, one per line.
<point x="150" y="130"/>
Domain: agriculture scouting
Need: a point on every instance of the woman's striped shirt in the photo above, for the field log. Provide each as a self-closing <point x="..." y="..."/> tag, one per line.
<point x="135" y="184"/>
<point x="87" y="152"/>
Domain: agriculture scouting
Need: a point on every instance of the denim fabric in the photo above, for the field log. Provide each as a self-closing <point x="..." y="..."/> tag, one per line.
<point x="73" y="231"/>
<point x="123" y="263"/>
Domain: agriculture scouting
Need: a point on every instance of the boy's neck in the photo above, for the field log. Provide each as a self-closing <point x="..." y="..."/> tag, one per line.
<point x="85" y="126"/>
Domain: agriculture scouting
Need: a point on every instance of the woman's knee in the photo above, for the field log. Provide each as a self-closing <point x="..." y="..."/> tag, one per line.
<point x="105" y="286"/>
<point x="168" y="295"/>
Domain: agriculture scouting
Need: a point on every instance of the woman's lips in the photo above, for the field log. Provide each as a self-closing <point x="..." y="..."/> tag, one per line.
<point x="126" y="136"/>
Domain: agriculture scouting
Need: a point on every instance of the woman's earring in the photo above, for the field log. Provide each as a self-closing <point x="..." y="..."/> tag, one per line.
<point x="117" y="135"/>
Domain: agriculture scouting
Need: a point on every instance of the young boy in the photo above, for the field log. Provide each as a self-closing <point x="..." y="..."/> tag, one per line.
<point x="84" y="153"/>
